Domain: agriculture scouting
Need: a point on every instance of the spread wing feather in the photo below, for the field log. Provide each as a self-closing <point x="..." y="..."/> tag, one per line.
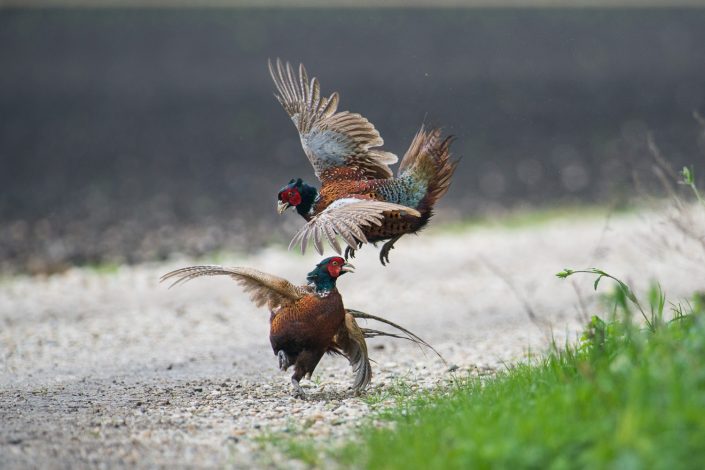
<point x="264" y="289"/>
<point x="346" y="218"/>
<point x="333" y="142"/>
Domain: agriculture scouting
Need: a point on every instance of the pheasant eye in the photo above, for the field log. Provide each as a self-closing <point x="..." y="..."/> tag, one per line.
<point x="335" y="263"/>
<point x="294" y="198"/>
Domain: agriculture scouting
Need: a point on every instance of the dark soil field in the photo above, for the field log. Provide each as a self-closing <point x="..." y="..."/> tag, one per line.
<point x="128" y="135"/>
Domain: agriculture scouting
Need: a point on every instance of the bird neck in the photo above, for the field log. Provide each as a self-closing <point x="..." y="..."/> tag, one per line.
<point x="308" y="196"/>
<point x="321" y="280"/>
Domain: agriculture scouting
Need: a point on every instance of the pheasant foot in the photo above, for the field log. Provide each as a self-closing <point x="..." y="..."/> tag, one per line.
<point x="386" y="248"/>
<point x="298" y="391"/>
<point x="350" y="251"/>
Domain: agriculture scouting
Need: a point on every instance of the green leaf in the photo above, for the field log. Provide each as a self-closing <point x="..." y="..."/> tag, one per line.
<point x="688" y="176"/>
<point x="565" y="273"/>
<point x="597" y="281"/>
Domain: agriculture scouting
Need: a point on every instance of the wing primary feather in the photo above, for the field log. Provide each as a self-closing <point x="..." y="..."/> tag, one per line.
<point x="290" y="82"/>
<point x="305" y="235"/>
<point x="285" y="86"/>
<point x="281" y="84"/>
<point x="372" y="218"/>
<point x="303" y="83"/>
<point x="317" y="232"/>
<point x="331" y="105"/>
<point x="346" y="230"/>
<point x="274" y="77"/>
<point x="302" y="245"/>
<point x="295" y="241"/>
<point x="332" y="238"/>
<point x="263" y="288"/>
<point x="315" y="95"/>
<point x="343" y="139"/>
<point x="355" y="229"/>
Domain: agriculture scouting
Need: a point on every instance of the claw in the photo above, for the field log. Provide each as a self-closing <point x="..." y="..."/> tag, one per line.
<point x="349" y="253"/>
<point x="384" y="254"/>
<point x="386" y="248"/>
<point x="298" y="391"/>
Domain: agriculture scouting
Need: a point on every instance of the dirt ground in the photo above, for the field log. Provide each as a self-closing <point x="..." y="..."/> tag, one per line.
<point x="112" y="369"/>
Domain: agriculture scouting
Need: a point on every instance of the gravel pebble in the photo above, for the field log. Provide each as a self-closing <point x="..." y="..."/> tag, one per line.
<point x="115" y="370"/>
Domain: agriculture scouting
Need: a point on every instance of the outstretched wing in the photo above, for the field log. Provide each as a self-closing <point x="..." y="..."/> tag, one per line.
<point x="350" y="342"/>
<point x="346" y="218"/>
<point x="264" y="289"/>
<point x="335" y="143"/>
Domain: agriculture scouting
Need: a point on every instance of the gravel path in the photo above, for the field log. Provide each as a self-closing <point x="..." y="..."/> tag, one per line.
<point x="112" y="369"/>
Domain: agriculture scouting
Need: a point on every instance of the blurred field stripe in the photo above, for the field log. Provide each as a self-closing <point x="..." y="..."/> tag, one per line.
<point x="353" y="3"/>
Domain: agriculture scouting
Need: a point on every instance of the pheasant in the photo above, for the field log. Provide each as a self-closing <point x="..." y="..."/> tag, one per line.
<point x="359" y="199"/>
<point x="306" y="321"/>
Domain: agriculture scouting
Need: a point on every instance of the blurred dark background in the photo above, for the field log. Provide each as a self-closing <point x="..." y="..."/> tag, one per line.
<point x="130" y="135"/>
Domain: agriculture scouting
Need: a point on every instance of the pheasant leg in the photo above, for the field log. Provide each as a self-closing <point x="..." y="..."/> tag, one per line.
<point x="350" y="252"/>
<point x="386" y="248"/>
<point x="305" y="364"/>
<point x="298" y="391"/>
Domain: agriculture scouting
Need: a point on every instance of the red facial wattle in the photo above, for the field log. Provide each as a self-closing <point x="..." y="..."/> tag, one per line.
<point x="294" y="197"/>
<point x="335" y="267"/>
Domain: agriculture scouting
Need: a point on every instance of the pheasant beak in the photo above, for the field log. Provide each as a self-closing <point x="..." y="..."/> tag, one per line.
<point x="282" y="206"/>
<point x="347" y="268"/>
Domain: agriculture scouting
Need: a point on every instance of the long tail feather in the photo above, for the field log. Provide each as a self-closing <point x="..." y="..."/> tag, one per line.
<point x="429" y="160"/>
<point x="350" y="342"/>
<point x="408" y="335"/>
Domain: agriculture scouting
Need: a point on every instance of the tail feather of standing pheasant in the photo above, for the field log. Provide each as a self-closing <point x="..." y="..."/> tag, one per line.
<point x="350" y="343"/>
<point x="407" y="335"/>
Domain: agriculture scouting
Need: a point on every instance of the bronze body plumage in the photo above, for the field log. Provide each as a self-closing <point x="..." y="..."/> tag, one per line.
<point x="359" y="199"/>
<point x="302" y="332"/>
<point x="305" y="321"/>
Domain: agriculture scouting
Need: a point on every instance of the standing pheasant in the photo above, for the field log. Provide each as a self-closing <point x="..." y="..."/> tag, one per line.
<point x="306" y="321"/>
<point x="359" y="199"/>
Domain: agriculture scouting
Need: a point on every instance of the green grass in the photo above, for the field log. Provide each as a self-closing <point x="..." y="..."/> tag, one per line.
<point x="519" y="219"/>
<point x="626" y="396"/>
<point x="629" y="394"/>
<point x="105" y="268"/>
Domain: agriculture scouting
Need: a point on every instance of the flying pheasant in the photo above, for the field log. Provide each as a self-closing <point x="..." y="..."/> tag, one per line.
<point x="306" y="321"/>
<point x="359" y="199"/>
